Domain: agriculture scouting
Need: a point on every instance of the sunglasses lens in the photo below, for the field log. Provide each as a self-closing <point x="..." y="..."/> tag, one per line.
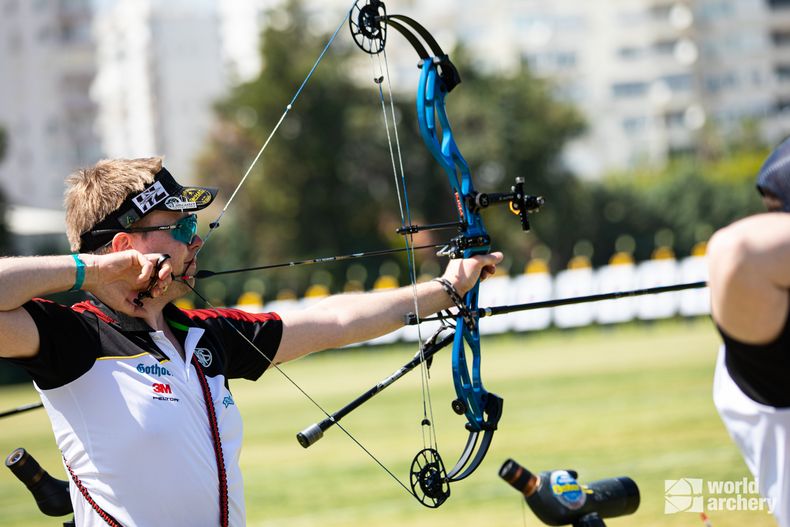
<point x="185" y="230"/>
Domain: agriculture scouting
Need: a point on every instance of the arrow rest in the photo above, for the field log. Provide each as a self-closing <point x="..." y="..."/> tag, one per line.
<point x="429" y="478"/>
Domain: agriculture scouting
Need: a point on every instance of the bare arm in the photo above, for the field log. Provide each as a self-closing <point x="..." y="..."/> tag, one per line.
<point x="749" y="263"/>
<point x="344" y="319"/>
<point x="115" y="277"/>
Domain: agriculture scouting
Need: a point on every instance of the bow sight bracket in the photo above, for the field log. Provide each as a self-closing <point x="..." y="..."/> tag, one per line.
<point x="519" y="202"/>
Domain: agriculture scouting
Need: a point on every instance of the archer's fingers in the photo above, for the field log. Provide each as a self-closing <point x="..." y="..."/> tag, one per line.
<point x="489" y="262"/>
<point x="146" y="268"/>
<point x="494" y="258"/>
<point x="488" y="270"/>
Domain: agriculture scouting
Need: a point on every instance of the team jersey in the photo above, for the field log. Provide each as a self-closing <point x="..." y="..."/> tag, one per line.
<point x="129" y="414"/>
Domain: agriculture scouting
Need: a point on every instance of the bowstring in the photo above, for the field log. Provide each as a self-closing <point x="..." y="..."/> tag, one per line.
<point x="215" y="224"/>
<point x="399" y="176"/>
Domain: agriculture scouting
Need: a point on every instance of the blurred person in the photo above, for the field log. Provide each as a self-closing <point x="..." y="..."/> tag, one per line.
<point x="749" y="264"/>
<point x="137" y="389"/>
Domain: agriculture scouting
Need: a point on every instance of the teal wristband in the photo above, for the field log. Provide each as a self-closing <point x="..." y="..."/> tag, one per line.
<point x="80" y="278"/>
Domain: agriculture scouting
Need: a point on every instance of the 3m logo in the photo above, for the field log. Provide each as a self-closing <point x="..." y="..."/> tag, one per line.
<point x="161" y="388"/>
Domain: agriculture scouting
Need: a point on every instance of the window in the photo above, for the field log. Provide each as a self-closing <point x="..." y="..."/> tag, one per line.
<point x="634" y="125"/>
<point x="721" y="82"/>
<point x="781" y="38"/>
<point x="673" y="119"/>
<point x="678" y="83"/>
<point x="782" y="73"/>
<point x="629" y="89"/>
<point x="630" y="52"/>
<point x="664" y="47"/>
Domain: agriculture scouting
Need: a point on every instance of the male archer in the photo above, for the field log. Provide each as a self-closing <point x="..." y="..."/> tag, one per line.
<point x="749" y="265"/>
<point x="136" y="388"/>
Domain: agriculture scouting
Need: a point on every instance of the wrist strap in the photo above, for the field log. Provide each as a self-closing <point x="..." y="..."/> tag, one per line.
<point x="463" y="311"/>
<point x="80" y="278"/>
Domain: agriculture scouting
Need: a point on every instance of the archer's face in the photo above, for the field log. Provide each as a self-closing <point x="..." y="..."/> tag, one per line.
<point x="182" y="254"/>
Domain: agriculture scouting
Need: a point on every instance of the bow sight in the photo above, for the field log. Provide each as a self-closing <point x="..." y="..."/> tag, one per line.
<point x="517" y="200"/>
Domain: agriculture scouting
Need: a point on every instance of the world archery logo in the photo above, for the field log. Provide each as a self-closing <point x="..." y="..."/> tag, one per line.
<point x="204" y="356"/>
<point x="683" y="495"/>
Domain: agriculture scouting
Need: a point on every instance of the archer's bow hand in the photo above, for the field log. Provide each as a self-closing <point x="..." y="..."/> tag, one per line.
<point x="464" y="273"/>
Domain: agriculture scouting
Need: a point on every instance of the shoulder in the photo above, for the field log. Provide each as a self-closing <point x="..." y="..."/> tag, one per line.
<point x="208" y="315"/>
<point x="749" y="276"/>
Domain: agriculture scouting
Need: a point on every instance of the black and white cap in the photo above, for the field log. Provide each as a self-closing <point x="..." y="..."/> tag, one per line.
<point x="165" y="193"/>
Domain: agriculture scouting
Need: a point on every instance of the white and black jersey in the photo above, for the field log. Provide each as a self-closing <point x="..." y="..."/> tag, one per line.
<point x="129" y="414"/>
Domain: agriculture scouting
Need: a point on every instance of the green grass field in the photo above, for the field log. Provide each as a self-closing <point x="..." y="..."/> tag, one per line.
<point x="631" y="400"/>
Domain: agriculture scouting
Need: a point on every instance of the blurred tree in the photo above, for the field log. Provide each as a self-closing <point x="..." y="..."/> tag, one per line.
<point x="691" y="197"/>
<point x="322" y="187"/>
<point x="325" y="184"/>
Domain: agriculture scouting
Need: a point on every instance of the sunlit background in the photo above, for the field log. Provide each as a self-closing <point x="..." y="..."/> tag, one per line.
<point x="642" y="122"/>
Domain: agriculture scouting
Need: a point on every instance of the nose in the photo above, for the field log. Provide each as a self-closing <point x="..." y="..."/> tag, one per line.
<point x="197" y="242"/>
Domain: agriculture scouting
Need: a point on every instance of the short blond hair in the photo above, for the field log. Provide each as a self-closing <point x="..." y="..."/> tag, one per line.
<point x="95" y="192"/>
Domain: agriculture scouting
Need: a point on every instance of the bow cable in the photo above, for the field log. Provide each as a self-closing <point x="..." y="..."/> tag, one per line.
<point x="399" y="172"/>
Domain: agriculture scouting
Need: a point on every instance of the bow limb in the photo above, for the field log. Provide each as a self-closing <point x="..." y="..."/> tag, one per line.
<point x="481" y="409"/>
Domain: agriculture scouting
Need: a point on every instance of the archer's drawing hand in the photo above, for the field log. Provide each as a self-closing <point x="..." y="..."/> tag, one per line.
<point x="464" y="272"/>
<point x="119" y="277"/>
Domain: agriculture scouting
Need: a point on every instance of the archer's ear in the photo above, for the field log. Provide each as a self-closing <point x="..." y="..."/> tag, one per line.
<point x="122" y="242"/>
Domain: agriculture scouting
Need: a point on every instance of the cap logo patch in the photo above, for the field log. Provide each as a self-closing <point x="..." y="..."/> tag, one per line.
<point x="150" y="197"/>
<point x="190" y="198"/>
<point x="178" y="203"/>
<point x="199" y="196"/>
<point x="127" y="218"/>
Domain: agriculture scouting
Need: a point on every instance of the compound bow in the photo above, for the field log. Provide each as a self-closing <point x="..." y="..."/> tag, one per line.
<point x="430" y="481"/>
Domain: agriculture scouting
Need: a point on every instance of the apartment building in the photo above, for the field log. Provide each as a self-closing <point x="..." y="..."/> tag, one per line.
<point x="89" y="78"/>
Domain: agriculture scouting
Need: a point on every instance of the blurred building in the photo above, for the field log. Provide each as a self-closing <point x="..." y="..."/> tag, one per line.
<point x="47" y="66"/>
<point x="161" y="66"/>
<point x="85" y="79"/>
<point x="647" y="74"/>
